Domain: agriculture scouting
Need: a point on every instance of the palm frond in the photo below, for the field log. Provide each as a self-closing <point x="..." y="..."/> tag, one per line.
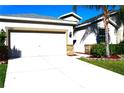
<point x="74" y="8"/>
<point x="97" y="7"/>
<point x="121" y="13"/>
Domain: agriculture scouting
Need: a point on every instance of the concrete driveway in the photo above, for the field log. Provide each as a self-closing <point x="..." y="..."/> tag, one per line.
<point x="59" y="74"/>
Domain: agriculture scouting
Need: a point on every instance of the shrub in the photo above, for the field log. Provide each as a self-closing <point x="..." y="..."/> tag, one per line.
<point x="99" y="49"/>
<point x="122" y="42"/>
<point x="113" y="49"/>
<point x="116" y="48"/>
<point x="3" y="53"/>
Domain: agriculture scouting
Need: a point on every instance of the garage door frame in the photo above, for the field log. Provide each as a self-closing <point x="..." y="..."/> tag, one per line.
<point x="35" y="31"/>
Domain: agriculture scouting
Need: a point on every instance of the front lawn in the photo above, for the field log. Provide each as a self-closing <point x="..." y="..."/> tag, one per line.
<point x="3" y="69"/>
<point x="116" y="66"/>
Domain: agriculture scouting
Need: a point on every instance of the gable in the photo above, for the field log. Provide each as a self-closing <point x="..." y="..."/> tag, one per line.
<point x="96" y="20"/>
<point x="70" y="17"/>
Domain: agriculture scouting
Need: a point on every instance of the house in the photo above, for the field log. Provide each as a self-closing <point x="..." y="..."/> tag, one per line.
<point x="92" y="32"/>
<point x="36" y="35"/>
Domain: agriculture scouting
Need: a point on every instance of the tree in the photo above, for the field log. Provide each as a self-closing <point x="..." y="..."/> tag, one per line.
<point x="105" y="9"/>
<point x="2" y="37"/>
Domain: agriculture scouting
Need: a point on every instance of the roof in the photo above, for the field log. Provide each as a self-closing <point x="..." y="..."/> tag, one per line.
<point x="94" y="19"/>
<point x="29" y="16"/>
<point x="70" y="14"/>
<point x="34" y="18"/>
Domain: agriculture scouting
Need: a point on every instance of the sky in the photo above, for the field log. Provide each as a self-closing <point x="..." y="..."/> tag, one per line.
<point x="49" y="10"/>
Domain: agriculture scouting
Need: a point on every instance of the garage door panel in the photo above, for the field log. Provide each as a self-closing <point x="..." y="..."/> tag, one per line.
<point x="52" y="44"/>
<point x="39" y="44"/>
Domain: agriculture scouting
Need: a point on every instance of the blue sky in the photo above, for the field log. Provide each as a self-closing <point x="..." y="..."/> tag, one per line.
<point x="48" y="10"/>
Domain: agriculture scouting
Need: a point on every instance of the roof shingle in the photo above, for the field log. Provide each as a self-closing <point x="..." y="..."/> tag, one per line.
<point x="29" y="16"/>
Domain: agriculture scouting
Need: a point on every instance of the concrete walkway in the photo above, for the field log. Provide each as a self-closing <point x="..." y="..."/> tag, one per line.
<point x="59" y="74"/>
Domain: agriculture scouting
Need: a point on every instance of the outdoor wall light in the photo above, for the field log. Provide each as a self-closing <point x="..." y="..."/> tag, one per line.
<point x="70" y="34"/>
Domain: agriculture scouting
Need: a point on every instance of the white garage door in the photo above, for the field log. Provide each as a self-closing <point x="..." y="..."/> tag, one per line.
<point x="26" y="44"/>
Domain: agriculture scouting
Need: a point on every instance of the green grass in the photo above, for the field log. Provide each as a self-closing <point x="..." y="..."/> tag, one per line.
<point x="3" y="69"/>
<point x="115" y="66"/>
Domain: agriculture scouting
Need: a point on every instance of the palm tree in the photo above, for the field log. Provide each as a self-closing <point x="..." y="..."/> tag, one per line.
<point x="105" y="9"/>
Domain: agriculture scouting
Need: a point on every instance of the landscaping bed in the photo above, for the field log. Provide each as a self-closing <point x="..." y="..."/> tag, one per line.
<point x="112" y="57"/>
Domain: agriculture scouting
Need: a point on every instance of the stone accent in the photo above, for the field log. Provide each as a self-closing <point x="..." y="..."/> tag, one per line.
<point x="88" y="48"/>
<point x="70" y="50"/>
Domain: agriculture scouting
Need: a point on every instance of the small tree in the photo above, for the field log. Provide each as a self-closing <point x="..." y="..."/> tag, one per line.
<point x="2" y="37"/>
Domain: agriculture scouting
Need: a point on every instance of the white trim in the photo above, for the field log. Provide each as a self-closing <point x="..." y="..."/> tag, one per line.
<point x="38" y="20"/>
<point x="84" y="24"/>
<point x="87" y="23"/>
<point x="113" y="22"/>
<point x="70" y="14"/>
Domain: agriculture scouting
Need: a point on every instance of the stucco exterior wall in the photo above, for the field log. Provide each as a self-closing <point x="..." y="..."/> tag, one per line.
<point x="71" y="18"/>
<point x="38" y="27"/>
<point x="79" y="46"/>
<point x="120" y="33"/>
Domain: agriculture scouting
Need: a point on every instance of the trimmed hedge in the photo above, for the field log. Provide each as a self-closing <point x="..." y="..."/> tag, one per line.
<point x="3" y="53"/>
<point x="117" y="48"/>
<point x="99" y="50"/>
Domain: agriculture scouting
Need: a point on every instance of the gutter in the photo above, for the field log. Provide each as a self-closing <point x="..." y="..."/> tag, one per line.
<point x="37" y="20"/>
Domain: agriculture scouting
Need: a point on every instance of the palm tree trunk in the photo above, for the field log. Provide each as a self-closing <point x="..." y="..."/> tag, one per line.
<point x="106" y="21"/>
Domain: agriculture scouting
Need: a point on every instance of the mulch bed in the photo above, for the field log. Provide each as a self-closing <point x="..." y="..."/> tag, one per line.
<point x="81" y="53"/>
<point x="72" y="55"/>
<point x="3" y="62"/>
<point x="112" y="57"/>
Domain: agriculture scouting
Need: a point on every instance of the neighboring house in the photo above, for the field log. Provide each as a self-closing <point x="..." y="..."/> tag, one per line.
<point x="35" y="35"/>
<point x="92" y="32"/>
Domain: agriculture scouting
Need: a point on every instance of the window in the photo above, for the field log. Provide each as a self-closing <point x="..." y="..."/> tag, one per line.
<point x="101" y="36"/>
